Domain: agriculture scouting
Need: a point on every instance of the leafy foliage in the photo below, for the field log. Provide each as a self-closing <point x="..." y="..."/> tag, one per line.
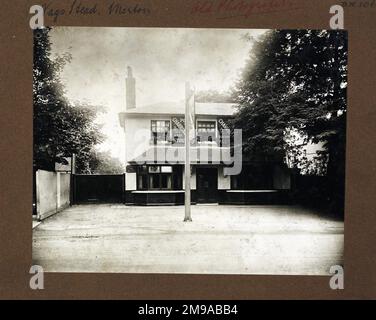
<point x="60" y="128"/>
<point x="213" y="96"/>
<point x="293" y="92"/>
<point x="103" y="163"/>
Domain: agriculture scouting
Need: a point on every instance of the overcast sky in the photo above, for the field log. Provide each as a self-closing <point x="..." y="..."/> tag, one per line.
<point x="162" y="61"/>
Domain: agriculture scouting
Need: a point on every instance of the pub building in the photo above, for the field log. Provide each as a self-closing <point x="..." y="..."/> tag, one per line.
<point x="155" y="153"/>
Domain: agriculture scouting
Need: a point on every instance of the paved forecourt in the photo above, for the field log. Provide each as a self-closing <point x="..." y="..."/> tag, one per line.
<point x="220" y="240"/>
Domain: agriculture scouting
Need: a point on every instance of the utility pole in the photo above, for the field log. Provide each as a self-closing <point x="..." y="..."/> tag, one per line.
<point x="187" y="166"/>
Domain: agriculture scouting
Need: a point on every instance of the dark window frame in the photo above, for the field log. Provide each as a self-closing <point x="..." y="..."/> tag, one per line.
<point x="143" y="172"/>
<point x="205" y="136"/>
<point x="156" y="135"/>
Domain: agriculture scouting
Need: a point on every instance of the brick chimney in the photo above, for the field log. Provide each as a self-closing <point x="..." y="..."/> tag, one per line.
<point x="130" y="90"/>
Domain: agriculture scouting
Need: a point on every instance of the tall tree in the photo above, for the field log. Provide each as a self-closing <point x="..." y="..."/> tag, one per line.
<point x="104" y="163"/>
<point x="60" y="128"/>
<point x="213" y="96"/>
<point x="295" y="82"/>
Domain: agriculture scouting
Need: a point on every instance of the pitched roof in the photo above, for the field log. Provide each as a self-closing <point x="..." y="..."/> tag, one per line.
<point x="207" y="108"/>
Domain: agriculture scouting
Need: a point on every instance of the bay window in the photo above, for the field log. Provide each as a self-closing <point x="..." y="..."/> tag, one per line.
<point x="156" y="177"/>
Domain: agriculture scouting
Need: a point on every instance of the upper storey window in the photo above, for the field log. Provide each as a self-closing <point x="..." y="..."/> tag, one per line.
<point x="160" y="131"/>
<point x="206" y="131"/>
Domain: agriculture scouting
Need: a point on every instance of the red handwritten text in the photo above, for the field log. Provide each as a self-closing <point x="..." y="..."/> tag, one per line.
<point x="242" y="8"/>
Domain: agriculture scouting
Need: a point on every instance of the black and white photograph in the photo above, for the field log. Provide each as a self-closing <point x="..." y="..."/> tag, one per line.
<point x="189" y="150"/>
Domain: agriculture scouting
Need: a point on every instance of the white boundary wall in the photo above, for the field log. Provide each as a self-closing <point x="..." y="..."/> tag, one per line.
<point x="53" y="192"/>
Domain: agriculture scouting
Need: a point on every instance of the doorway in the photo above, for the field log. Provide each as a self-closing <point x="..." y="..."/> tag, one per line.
<point x="207" y="185"/>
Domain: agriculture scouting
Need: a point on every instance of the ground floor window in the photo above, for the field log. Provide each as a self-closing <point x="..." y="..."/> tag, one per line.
<point x="157" y="177"/>
<point x="253" y="177"/>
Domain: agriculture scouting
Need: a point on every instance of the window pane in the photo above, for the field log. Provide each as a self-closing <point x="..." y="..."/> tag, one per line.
<point x="169" y="182"/>
<point x="139" y="182"/>
<point x="166" y="181"/>
<point x="235" y="182"/>
<point x="166" y="169"/>
<point x="156" y="178"/>
<point x="206" y="131"/>
<point x="160" y="130"/>
<point x="154" y="169"/>
<point x="142" y="182"/>
<point x="154" y="181"/>
<point x="142" y="169"/>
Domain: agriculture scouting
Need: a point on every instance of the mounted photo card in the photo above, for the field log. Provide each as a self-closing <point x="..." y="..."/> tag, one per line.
<point x="217" y="149"/>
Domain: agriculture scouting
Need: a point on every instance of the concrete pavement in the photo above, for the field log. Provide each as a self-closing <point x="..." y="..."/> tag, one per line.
<point x="220" y="240"/>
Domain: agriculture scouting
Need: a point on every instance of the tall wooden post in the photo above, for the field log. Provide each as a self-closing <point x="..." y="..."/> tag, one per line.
<point x="187" y="167"/>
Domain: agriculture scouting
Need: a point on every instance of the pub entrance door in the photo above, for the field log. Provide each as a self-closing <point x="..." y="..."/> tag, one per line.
<point x="207" y="185"/>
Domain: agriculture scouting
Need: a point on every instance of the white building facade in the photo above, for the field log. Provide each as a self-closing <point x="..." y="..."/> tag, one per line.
<point x="155" y="153"/>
